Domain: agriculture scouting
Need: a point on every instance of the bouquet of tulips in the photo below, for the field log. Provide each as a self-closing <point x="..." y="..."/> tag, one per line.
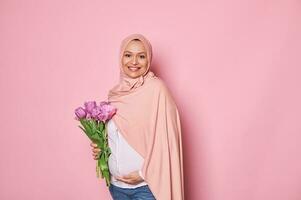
<point x="93" y="119"/>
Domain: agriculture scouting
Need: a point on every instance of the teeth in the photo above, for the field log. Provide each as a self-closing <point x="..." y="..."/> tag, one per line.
<point x="134" y="68"/>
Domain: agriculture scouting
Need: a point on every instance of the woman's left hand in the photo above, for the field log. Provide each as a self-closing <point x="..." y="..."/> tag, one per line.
<point x="132" y="178"/>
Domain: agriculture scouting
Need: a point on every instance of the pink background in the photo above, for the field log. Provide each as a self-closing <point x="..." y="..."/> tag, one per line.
<point x="232" y="66"/>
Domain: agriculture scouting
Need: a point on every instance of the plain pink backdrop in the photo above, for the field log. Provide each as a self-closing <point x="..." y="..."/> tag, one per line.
<point x="233" y="67"/>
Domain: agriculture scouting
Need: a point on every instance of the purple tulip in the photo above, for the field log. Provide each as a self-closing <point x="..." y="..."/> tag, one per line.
<point x="102" y="117"/>
<point x="89" y="116"/>
<point x="89" y="105"/>
<point x="107" y="112"/>
<point x="80" y="113"/>
<point x="103" y="112"/>
<point x="95" y="112"/>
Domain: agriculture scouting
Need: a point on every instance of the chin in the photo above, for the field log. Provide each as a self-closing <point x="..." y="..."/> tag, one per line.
<point x="133" y="76"/>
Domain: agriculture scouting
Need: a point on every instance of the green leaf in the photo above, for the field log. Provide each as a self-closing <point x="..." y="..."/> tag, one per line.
<point x="103" y="164"/>
<point x="93" y="125"/>
<point x="89" y="124"/>
<point x="101" y="126"/>
<point x="96" y="131"/>
<point x="85" y="124"/>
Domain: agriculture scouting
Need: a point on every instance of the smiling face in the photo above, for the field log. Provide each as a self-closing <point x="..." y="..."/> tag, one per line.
<point x="134" y="59"/>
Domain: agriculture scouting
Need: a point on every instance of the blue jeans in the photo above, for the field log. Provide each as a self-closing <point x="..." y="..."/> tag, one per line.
<point x="139" y="193"/>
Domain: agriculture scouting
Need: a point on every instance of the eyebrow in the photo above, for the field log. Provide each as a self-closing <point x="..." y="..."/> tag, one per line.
<point x="134" y="52"/>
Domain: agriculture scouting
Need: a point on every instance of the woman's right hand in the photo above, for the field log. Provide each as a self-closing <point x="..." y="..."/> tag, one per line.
<point x="95" y="150"/>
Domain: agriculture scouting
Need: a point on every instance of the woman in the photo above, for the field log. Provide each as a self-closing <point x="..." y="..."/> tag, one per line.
<point x="145" y="134"/>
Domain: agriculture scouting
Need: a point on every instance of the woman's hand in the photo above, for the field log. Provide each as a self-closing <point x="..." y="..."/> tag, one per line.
<point x="132" y="178"/>
<point x="95" y="151"/>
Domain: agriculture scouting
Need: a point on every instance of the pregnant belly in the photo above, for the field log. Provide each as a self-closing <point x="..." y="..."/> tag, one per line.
<point x="113" y="166"/>
<point x="123" y="167"/>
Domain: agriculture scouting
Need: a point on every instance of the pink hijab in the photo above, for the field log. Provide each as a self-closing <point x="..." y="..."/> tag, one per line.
<point x="148" y="119"/>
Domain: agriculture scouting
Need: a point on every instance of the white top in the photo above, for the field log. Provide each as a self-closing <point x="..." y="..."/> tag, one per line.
<point x="123" y="159"/>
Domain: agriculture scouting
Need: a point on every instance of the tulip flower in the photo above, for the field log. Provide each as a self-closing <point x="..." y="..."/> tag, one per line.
<point x="93" y="119"/>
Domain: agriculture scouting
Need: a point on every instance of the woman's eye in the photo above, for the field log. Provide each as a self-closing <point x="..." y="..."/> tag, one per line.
<point x="142" y="56"/>
<point x="127" y="55"/>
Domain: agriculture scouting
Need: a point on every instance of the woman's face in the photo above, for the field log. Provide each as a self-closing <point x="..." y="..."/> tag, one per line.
<point x="134" y="59"/>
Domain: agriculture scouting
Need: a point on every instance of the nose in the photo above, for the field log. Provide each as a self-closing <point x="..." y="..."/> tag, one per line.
<point x="135" y="60"/>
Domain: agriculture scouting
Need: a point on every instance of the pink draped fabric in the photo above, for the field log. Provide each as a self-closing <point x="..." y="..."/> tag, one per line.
<point x="148" y="118"/>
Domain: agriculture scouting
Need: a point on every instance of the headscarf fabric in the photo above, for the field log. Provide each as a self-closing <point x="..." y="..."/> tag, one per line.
<point x="148" y="118"/>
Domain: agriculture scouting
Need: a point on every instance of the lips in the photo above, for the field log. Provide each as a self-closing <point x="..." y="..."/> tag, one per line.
<point x="133" y="69"/>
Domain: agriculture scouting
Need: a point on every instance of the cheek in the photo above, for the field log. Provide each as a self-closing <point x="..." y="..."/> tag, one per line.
<point x="125" y="61"/>
<point x="144" y="63"/>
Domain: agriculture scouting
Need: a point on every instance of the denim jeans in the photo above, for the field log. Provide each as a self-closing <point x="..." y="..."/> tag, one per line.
<point x="139" y="193"/>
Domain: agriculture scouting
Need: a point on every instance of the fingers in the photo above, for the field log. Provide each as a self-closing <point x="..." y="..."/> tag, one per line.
<point x="124" y="180"/>
<point x="96" y="156"/>
<point x="127" y="176"/>
<point x="128" y="180"/>
<point x="96" y="153"/>
<point x="131" y="178"/>
<point x="95" y="150"/>
<point x="93" y="144"/>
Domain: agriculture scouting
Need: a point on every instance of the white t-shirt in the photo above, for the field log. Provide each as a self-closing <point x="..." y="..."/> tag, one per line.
<point x="123" y="159"/>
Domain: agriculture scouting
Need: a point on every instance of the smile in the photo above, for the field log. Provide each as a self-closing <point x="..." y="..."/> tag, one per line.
<point x="134" y="69"/>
